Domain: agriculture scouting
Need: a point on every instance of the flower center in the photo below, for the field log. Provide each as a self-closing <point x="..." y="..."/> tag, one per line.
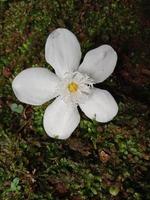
<point x="73" y="87"/>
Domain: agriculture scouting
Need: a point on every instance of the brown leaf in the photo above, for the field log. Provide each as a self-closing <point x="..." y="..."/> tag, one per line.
<point x="6" y="72"/>
<point x="76" y="144"/>
<point x="104" y="157"/>
<point x="76" y="198"/>
<point x="61" y="188"/>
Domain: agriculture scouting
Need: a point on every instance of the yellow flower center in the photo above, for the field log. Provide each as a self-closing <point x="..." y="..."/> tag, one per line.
<point x="72" y="87"/>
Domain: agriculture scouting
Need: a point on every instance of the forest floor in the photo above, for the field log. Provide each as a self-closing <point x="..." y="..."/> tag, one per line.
<point x="99" y="161"/>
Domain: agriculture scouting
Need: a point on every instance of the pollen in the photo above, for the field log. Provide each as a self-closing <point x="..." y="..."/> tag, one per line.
<point x="72" y="87"/>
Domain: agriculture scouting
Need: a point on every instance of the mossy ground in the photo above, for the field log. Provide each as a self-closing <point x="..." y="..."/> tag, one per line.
<point x="99" y="161"/>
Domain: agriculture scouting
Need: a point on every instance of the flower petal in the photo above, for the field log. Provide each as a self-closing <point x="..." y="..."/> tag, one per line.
<point x="62" y="51"/>
<point x="60" y="119"/>
<point x="100" y="106"/>
<point x="35" y="86"/>
<point x="99" y="63"/>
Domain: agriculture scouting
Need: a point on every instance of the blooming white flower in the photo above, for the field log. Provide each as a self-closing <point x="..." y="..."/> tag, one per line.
<point x="72" y="84"/>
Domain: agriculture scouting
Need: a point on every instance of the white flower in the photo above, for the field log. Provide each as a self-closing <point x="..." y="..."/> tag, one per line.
<point x="72" y="84"/>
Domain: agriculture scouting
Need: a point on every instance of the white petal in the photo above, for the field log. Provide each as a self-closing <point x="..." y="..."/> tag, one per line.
<point x="100" y="106"/>
<point x="35" y="86"/>
<point x="60" y="119"/>
<point x="62" y="51"/>
<point x="99" y="63"/>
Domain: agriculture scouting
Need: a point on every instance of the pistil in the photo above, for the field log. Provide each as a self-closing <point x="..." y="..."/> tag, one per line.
<point x="72" y="87"/>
